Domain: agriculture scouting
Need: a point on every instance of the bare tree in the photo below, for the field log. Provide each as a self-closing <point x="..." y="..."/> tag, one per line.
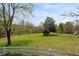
<point x="72" y="14"/>
<point x="9" y="11"/>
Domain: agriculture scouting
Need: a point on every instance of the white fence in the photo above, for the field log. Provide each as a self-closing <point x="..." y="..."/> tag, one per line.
<point x="30" y="51"/>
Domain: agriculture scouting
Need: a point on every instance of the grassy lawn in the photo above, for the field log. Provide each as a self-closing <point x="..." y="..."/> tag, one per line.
<point x="69" y="43"/>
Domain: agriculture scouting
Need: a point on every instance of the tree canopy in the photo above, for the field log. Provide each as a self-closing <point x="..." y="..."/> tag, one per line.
<point x="49" y="25"/>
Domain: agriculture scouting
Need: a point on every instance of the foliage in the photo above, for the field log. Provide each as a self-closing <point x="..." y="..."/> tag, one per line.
<point x="49" y="26"/>
<point x="45" y="33"/>
<point x="68" y="28"/>
<point x="76" y="29"/>
<point x="60" y="28"/>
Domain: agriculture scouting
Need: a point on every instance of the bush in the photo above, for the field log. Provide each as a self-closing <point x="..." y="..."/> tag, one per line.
<point x="45" y="33"/>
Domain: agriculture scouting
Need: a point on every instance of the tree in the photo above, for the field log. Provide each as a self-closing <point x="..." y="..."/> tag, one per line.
<point x="60" y="28"/>
<point x="8" y="11"/>
<point x="40" y="27"/>
<point x="68" y="28"/>
<point x="72" y="14"/>
<point x="49" y="26"/>
<point x="76" y="29"/>
<point x="29" y="26"/>
<point x="1" y="30"/>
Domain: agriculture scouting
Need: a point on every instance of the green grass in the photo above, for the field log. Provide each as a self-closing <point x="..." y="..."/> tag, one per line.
<point x="68" y="43"/>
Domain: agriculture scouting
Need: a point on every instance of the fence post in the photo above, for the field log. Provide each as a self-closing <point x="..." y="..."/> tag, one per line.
<point x="50" y="52"/>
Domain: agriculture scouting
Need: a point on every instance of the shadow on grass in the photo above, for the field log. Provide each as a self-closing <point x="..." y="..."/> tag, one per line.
<point x="52" y="35"/>
<point x="21" y="43"/>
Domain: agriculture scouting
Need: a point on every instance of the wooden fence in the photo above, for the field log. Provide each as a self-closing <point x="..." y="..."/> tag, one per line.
<point x="33" y="51"/>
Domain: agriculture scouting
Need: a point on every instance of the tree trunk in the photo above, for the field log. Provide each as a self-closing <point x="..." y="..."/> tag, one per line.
<point x="0" y="35"/>
<point x="8" y="38"/>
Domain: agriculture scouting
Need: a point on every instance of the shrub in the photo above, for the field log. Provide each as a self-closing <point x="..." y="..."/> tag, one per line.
<point x="45" y="33"/>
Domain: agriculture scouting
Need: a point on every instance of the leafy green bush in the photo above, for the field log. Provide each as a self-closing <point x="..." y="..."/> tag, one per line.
<point x="45" y="33"/>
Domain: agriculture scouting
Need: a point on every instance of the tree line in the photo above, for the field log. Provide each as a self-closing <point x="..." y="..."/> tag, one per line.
<point x="27" y="28"/>
<point x="68" y="28"/>
<point x="21" y="28"/>
<point x="61" y="28"/>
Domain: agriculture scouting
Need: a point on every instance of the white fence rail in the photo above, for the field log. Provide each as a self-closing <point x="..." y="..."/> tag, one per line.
<point x="34" y="51"/>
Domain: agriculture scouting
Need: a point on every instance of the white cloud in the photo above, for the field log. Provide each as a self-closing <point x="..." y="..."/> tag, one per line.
<point x="52" y="10"/>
